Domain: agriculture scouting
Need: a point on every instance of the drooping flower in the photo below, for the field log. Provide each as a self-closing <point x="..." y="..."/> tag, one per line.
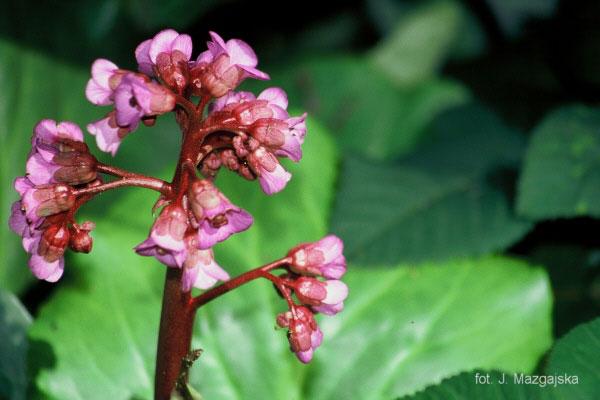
<point x="304" y="334"/>
<point x="108" y="134"/>
<point x="135" y="98"/>
<point x="166" y="240"/>
<point x="323" y="258"/>
<point x="271" y="175"/>
<point x="200" y="269"/>
<point x="217" y="217"/>
<point x="225" y="65"/>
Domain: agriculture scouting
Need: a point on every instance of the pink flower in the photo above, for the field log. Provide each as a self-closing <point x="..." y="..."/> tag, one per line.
<point x="108" y="134"/>
<point x="272" y="176"/>
<point x="325" y="297"/>
<point x="217" y="217"/>
<point x="166" y="237"/>
<point x="304" y="334"/>
<point x="47" y="250"/>
<point x="136" y="98"/>
<point x="106" y="77"/>
<point x="200" y="269"/>
<point x="173" y="46"/>
<point x="228" y="65"/>
<point x="170" y="258"/>
<point x="324" y="258"/>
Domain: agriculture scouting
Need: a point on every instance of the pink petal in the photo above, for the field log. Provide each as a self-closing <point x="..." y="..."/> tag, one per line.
<point x="251" y="72"/>
<point x="97" y="94"/>
<point x="69" y="130"/>
<point x="275" y="95"/>
<point x="337" y="291"/>
<point x="161" y="43"/>
<point x="273" y="182"/>
<point x="102" y="70"/>
<point x="241" y="53"/>
<point x="39" y="171"/>
<point x="107" y="137"/>
<point x="143" y="58"/>
<point x="183" y="43"/>
<point x="48" y="271"/>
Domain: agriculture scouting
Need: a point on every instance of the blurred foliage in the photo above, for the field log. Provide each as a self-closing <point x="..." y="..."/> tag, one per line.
<point x="441" y="131"/>
<point x="14" y="321"/>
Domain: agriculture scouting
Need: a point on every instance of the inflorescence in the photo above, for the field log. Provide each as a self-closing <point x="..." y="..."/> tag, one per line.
<point x="235" y="130"/>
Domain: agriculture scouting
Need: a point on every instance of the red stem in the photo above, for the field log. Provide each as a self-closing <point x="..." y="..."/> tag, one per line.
<point x="260" y="272"/>
<point x="139" y="181"/>
<point x="174" y="335"/>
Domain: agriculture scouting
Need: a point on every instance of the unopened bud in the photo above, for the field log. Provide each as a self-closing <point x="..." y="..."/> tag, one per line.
<point x="81" y="241"/>
<point x="229" y="160"/>
<point x="173" y="69"/>
<point x="220" y="77"/>
<point x="270" y="132"/>
<point x="76" y="167"/>
<point x="310" y="291"/>
<point x="248" y="112"/>
<point x="46" y="200"/>
<point x="53" y="242"/>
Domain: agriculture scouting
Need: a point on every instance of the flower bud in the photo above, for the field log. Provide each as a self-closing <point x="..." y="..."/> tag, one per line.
<point x="229" y="160"/>
<point x="270" y="132"/>
<point x="42" y="201"/>
<point x="53" y="242"/>
<point x="81" y="241"/>
<point x="248" y="112"/>
<point x="220" y="76"/>
<point x="75" y="167"/>
<point x="324" y="258"/>
<point x="304" y="334"/>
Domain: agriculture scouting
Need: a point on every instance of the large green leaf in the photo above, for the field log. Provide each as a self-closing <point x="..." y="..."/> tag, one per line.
<point x="14" y="321"/>
<point x="408" y="327"/>
<point x="452" y="197"/>
<point x="369" y="116"/>
<point x="561" y="176"/>
<point x="572" y="372"/>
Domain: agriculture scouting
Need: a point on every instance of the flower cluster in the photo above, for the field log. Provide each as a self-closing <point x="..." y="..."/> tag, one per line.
<point x="239" y="131"/>
<point x="58" y="164"/>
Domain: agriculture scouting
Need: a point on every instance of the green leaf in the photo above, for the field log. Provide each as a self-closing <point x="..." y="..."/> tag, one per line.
<point x="450" y="198"/>
<point x="561" y="176"/>
<point x="512" y="15"/>
<point x="421" y="41"/>
<point x="406" y="328"/>
<point x="369" y="116"/>
<point x="577" y="354"/>
<point x="102" y="322"/>
<point x="572" y="373"/>
<point x="14" y="321"/>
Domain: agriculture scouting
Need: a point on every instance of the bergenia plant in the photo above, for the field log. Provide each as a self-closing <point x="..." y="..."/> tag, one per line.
<point x="220" y="128"/>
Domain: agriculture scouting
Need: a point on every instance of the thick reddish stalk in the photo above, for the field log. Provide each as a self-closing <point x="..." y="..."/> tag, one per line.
<point x="175" y="334"/>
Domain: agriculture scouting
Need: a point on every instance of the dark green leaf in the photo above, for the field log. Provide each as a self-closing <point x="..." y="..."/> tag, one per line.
<point x="561" y="176"/>
<point x="14" y="321"/>
<point x="452" y="197"/>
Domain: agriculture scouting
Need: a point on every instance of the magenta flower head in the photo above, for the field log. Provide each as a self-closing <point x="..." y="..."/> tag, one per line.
<point x="323" y="258"/>
<point x="224" y="66"/>
<point x="304" y="334"/>
<point x="217" y="217"/>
